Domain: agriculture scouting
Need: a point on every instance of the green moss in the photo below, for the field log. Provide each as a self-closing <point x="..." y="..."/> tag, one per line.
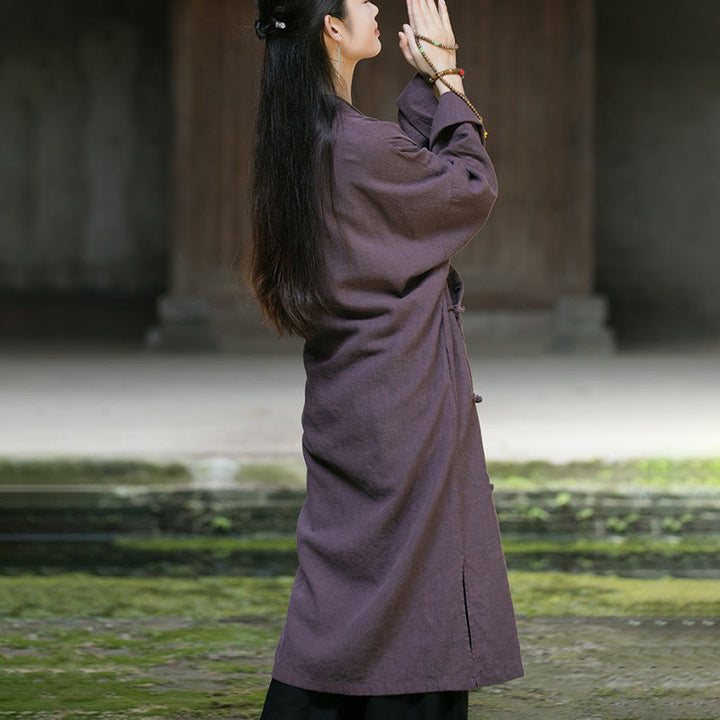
<point x="613" y="548"/>
<point x="76" y="696"/>
<point x="609" y="547"/>
<point x="272" y="473"/>
<point x="83" y="595"/>
<point x="283" y="543"/>
<point x="262" y="600"/>
<point x="92" y="472"/>
<point x="168" y="667"/>
<point x="207" y="556"/>
<point x="515" y="482"/>
<point x="561" y="594"/>
<point x="179" y="649"/>
<point x="656" y="473"/>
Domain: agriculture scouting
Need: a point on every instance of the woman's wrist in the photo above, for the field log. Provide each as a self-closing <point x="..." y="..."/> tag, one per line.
<point x="455" y="80"/>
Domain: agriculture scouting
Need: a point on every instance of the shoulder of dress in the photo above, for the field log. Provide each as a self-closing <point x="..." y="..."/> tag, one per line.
<point x="358" y="119"/>
<point x="361" y="129"/>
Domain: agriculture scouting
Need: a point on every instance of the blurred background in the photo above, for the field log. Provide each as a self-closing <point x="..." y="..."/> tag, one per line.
<point x="150" y="438"/>
<point x="126" y="132"/>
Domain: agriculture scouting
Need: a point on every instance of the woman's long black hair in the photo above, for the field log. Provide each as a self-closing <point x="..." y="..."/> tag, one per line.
<point x="292" y="162"/>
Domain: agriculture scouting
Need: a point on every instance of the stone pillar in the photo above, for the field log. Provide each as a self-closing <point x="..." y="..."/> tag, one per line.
<point x="529" y="274"/>
<point x="579" y="315"/>
<point x="207" y="307"/>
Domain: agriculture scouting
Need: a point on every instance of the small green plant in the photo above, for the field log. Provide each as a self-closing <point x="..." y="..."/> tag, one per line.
<point x="675" y="525"/>
<point x="538" y="513"/>
<point x="620" y="525"/>
<point x="563" y="499"/>
<point x="532" y="512"/>
<point x="585" y="514"/>
<point x="221" y="524"/>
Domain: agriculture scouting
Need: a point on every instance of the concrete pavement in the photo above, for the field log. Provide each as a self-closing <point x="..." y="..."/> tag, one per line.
<point x="120" y="403"/>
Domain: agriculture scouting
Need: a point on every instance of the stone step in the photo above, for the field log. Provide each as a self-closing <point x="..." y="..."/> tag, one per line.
<point x="246" y="509"/>
<point x="107" y="554"/>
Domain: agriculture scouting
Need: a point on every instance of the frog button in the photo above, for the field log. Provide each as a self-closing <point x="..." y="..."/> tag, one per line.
<point x="477" y="398"/>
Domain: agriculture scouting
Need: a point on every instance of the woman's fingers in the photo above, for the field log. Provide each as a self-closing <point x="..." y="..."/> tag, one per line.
<point x="444" y="15"/>
<point x="431" y="10"/>
<point x="426" y="13"/>
<point x="405" y="48"/>
<point x="411" y="13"/>
<point x="425" y="18"/>
<point x="420" y="10"/>
<point x="432" y="17"/>
<point x="420" y="18"/>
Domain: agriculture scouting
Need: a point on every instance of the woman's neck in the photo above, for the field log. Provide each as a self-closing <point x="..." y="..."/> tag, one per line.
<point x="343" y="84"/>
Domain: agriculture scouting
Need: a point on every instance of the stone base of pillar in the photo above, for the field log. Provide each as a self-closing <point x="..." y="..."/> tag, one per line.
<point x="511" y="332"/>
<point x="579" y="325"/>
<point x="574" y="325"/>
<point x="185" y="324"/>
<point x="195" y="324"/>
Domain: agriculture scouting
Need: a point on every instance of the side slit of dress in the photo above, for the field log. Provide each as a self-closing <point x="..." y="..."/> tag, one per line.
<point x="467" y="615"/>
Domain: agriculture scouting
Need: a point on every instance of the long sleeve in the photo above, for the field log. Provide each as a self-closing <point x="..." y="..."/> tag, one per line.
<point x="417" y="105"/>
<point x="436" y="198"/>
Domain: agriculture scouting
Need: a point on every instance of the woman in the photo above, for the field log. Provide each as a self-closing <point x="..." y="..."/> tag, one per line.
<point x="401" y="604"/>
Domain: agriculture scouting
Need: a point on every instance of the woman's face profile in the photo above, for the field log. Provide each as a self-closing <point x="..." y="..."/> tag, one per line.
<point x="362" y="39"/>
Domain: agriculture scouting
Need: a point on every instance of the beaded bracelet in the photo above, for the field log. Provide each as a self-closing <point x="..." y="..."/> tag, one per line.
<point x="439" y="74"/>
<point x="449" y="71"/>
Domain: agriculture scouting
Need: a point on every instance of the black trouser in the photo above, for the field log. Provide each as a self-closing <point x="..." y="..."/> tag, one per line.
<point x="287" y="702"/>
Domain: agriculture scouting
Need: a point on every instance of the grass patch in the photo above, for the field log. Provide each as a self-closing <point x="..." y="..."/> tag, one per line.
<point x="611" y="547"/>
<point x="652" y="473"/>
<point x="209" y="544"/>
<point x="78" y="646"/>
<point x="90" y="472"/>
<point x="85" y="595"/>
<point x="616" y="547"/>
<point x="115" y="670"/>
<point x="563" y="594"/>
<point x="272" y="473"/>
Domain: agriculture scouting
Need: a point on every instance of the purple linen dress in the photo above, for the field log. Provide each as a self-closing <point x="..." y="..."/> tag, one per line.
<point x="402" y="584"/>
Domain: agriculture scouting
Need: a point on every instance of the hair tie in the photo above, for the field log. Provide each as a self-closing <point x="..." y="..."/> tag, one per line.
<point x="261" y="30"/>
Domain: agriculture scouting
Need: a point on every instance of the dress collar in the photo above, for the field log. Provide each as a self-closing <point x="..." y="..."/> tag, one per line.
<point x="350" y="105"/>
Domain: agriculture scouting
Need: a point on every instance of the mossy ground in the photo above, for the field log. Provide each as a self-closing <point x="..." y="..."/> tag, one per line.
<point x="82" y="646"/>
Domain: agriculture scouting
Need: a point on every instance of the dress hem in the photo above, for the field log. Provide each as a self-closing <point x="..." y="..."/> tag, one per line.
<point x="352" y="688"/>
